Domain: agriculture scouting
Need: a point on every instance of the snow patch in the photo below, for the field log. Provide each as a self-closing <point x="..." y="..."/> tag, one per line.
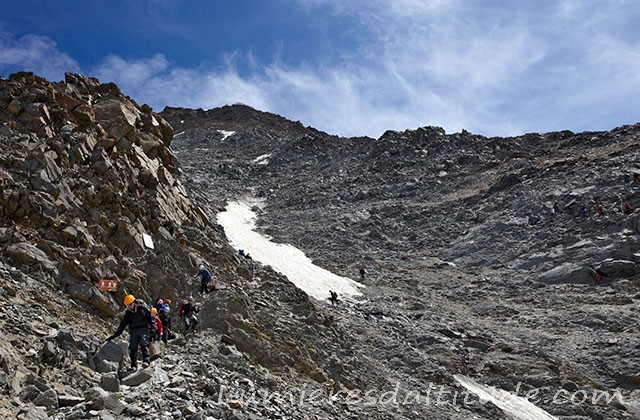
<point x="514" y="406"/>
<point x="262" y="159"/>
<point x="238" y="221"/>
<point x="226" y="134"/>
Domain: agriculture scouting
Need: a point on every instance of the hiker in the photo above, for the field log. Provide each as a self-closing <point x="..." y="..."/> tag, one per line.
<point x="334" y="297"/>
<point x="626" y="208"/>
<point x="556" y="208"/>
<point x="250" y="261"/>
<point x="205" y="278"/>
<point x="188" y="313"/>
<point x="584" y="212"/>
<point x="600" y="210"/>
<point x="241" y="252"/>
<point x="362" y="273"/>
<point x="157" y="333"/>
<point x="165" y="319"/>
<point x="597" y="274"/>
<point x="138" y="318"/>
<point x="160" y="304"/>
<point x="166" y="304"/>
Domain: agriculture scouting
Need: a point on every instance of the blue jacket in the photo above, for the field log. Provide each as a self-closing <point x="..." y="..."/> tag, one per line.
<point x="205" y="275"/>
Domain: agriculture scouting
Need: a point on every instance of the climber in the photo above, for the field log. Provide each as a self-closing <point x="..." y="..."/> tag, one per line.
<point x="250" y="261"/>
<point x="188" y="313"/>
<point x="138" y="318"/>
<point x="626" y="208"/>
<point x="165" y="319"/>
<point x="362" y="273"/>
<point x="157" y="333"/>
<point x="159" y="304"/>
<point x="205" y="278"/>
<point x="597" y="274"/>
<point x="334" y="297"/>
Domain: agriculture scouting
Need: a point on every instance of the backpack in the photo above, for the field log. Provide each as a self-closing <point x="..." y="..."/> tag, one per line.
<point x="206" y="275"/>
<point x="142" y="304"/>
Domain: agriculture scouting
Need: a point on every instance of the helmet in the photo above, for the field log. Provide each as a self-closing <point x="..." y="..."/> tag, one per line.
<point x="129" y="299"/>
<point x="201" y="267"/>
<point x="154" y="311"/>
<point x="166" y="309"/>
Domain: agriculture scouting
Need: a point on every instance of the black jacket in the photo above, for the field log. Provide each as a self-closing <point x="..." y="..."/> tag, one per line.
<point x="188" y="309"/>
<point x="166" y="321"/>
<point x="141" y="318"/>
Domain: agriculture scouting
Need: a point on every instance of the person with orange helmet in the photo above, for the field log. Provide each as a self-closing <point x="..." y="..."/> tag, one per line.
<point x="139" y="319"/>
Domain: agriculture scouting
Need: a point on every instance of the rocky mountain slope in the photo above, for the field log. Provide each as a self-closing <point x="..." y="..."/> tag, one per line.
<point x="480" y="262"/>
<point x="91" y="190"/>
<point x="486" y="256"/>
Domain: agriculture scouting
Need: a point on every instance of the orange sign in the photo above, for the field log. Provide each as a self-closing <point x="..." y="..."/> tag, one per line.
<point x="108" y="285"/>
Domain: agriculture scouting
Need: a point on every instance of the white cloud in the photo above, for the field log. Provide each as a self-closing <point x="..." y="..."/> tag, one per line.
<point x="155" y="81"/>
<point x="132" y="73"/>
<point x="37" y="54"/>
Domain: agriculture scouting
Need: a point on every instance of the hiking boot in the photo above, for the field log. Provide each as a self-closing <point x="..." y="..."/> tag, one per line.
<point x="145" y="365"/>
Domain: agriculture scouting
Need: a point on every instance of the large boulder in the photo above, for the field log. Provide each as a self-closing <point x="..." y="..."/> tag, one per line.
<point x="109" y="358"/>
<point x="567" y="273"/>
<point x="138" y="378"/>
<point x="618" y="268"/>
<point x="116" y="116"/>
<point x="26" y="254"/>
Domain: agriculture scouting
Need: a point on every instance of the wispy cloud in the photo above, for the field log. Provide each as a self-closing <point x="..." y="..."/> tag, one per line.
<point x="35" y="53"/>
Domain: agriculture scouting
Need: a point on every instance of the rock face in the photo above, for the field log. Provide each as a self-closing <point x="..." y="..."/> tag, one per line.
<point x="86" y="172"/>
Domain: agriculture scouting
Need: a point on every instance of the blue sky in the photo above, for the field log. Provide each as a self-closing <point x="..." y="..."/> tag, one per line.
<point x="350" y="68"/>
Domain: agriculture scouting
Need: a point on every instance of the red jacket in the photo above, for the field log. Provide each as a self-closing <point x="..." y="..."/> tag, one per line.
<point x="158" y="325"/>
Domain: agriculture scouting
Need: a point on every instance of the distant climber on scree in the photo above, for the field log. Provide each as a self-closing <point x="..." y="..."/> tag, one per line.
<point x="205" y="278"/>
